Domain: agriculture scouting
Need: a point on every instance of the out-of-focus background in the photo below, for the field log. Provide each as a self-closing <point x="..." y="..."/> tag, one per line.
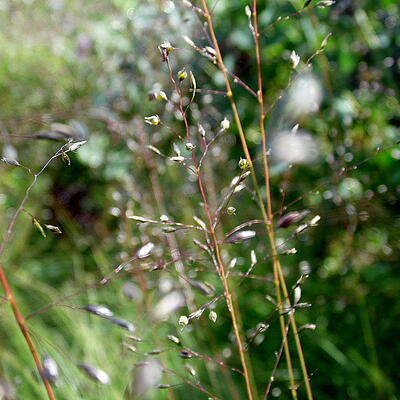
<point x="84" y="69"/>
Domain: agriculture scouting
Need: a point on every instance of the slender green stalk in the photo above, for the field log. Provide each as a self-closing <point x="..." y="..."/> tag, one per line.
<point x="270" y="229"/>
<point x="267" y="215"/>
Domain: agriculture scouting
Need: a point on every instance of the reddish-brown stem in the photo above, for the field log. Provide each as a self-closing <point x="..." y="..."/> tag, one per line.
<point x="278" y="358"/>
<point x="221" y="269"/>
<point x="178" y="90"/>
<point x="243" y="84"/>
<point x="24" y="330"/>
<point x="228" y="296"/>
<point x="194" y="385"/>
<point x="287" y="17"/>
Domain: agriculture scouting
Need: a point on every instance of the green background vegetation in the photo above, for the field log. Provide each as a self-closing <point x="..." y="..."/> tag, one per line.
<point x="95" y="62"/>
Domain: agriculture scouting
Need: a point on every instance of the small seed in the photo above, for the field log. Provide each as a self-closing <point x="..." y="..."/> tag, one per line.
<point x="122" y="323"/>
<point x="95" y="373"/>
<point x="100" y="310"/>
<point x="185" y="354"/>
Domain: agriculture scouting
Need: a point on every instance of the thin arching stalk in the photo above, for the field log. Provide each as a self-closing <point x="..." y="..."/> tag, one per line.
<point x="3" y="278"/>
<point x="278" y="358"/>
<point x="24" y="330"/>
<point x="267" y="216"/>
<point x="270" y="229"/>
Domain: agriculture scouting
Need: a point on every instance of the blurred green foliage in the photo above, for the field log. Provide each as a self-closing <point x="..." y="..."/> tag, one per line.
<point x="94" y="63"/>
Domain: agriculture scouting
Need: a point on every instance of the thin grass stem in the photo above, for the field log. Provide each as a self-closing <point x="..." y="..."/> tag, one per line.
<point x="24" y="330"/>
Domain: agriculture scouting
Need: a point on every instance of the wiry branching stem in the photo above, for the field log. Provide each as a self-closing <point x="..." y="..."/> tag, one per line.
<point x="221" y="269"/>
<point x="3" y="279"/>
<point x="228" y="296"/>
